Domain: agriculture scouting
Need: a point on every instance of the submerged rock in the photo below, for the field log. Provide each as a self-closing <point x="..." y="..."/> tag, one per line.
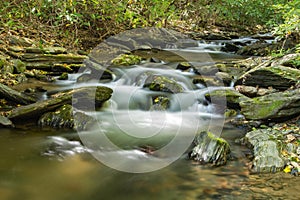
<point x="273" y="106"/>
<point x="210" y="149"/>
<point x="266" y="150"/>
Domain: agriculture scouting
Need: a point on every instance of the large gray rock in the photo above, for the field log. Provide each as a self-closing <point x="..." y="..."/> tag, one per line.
<point x="266" y="150"/>
<point x="272" y="106"/>
<point x="210" y="149"/>
<point x="278" y="77"/>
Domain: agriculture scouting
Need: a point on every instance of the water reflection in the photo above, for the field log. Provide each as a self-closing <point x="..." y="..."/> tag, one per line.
<point x="26" y="174"/>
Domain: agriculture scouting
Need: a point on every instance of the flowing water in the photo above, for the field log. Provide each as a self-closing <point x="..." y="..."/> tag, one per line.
<point x="40" y="163"/>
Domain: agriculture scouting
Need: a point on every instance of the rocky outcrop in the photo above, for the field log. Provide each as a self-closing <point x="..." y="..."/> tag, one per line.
<point x="210" y="149"/>
<point x="266" y="150"/>
<point x="278" y="77"/>
<point x="273" y="106"/>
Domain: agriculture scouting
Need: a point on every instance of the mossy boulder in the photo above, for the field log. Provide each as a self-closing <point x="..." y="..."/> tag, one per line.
<point x="126" y="60"/>
<point x="60" y="118"/>
<point x="273" y="106"/>
<point x="163" y="84"/>
<point x="226" y="96"/>
<point x="64" y="117"/>
<point x="266" y="150"/>
<point x="278" y="77"/>
<point x="210" y="149"/>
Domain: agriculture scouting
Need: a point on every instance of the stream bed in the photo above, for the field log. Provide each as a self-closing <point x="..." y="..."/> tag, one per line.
<point x="43" y="163"/>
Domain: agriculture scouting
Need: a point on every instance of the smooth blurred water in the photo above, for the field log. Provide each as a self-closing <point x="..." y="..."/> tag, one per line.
<point x="40" y="163"/>
<point x="28" y="174"/>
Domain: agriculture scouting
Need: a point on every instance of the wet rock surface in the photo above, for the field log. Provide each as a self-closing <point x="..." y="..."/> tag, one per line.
<point x="210" y="149"/>
<point x="266" y="150"/>
<point x="273" y="106"/>
<point x="66" y="117"/>
<point x="255" y="95"/>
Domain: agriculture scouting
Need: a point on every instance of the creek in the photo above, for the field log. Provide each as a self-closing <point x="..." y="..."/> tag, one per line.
<point x="43" y="163"/>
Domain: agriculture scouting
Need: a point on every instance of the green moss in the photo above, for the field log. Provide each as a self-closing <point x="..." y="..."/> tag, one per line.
<point x="219" y="140"/>
<point x="126" y="60"/>
<point x="162" y="83"/>
<point x="263" y="108"/>
<point x="286" y="72"/>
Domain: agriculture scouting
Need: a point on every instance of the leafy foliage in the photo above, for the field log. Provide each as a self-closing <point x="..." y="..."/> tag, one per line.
<point x="291" y="15"/>
<point x="68" y="19"/>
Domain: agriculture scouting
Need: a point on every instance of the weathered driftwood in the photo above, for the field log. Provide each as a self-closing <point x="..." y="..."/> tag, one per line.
<point x="81" y="98"/>
<point x="15" y="96"/>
